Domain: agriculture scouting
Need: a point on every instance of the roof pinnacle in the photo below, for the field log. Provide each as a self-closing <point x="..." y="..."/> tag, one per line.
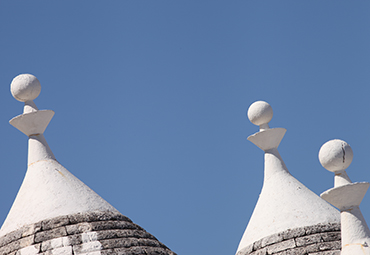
<point x="48" y="189"/>
<point x="284" y="202"/>
<point x="336" y="155"/>
<point x="260" y="113"/>
<point x="26" y="88"/>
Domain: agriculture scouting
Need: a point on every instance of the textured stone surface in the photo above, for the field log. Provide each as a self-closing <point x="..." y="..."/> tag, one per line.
<point x="281" y="246"/>
<point x="326" y="253"/>
<point x="321" y="239"/>
<point x="94" y="233"/>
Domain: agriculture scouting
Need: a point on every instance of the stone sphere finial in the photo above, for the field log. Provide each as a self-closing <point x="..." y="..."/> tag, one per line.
<point x="260" y="113"/>
<point x="335" y="155"/>
<point x="25" y="87"/>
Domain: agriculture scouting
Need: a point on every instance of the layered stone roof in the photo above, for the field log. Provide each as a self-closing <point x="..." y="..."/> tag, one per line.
<point x="320" y="239"/>
<point x="91" y="233"/>
<point x="284" y="202"/>
<point x="286" y="211"/>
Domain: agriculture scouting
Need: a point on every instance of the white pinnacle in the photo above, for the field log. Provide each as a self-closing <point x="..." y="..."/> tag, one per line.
<point x="48" y="190"/>
<point x="284" y="202"/>
<point x="260" y="113"/>
<point x="335" y="156"/>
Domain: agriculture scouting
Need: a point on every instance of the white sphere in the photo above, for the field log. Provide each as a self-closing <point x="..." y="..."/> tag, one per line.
<point x="25" y="87"/>
<point x="335" y="155"/>
<point x="260" y="113"/>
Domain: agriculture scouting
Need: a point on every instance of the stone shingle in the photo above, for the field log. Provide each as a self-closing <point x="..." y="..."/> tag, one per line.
<point x="54" y="223"/>
<point x="50" y="234"/>
<point x="310" y="239"/>
<point x="281" y="246"/>
<point x="275" y="238"/>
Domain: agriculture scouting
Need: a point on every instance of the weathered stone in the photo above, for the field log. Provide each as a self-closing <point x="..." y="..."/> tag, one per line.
<point x="50" y="234"/>
<point x="326" y="253"/>
<point x="31" y="229"/>
<point x="54" y="223"/>
<point x="306" y="240"/>
<point x="246" y="250"/>
<point x="10" y="237"/>
<point x="16" y="245"/>
<point x="118" y="233"/>
<point x="272" y="239"/>
<point x="280" y="246"/>
<point x="262" y="251"/>
<point x="97" y="216"/>
<point x="129" y="242"/>
<point x="90" y="253"/>
<point x="78" y="228"/>
<point x="87" y="247"/>
<point x="257" y="245"/>
<point x="312" y="248"/>
<point x="329" y="245"/>
<point x="155" y="251"/>
<point x="63" y="235"/>
<point x="55" y="243"/>
<point x="294" y="251"/>
<point x="89" y="237"/>
<point x="60" y="251"/>
<point x="29" y="250"/>
<point x="6" y="249"/>
<point x="104" y="225"/>
<point x="291" y="233"/>
<point x="137" y="251"/>
<point x="324" y="246"/>
<point x="119" y="243"/>
<point x="322" y="228"/>
<point x="75" y="239"/>
<point x="331" y="236"/>
<point x="26" y="241"/>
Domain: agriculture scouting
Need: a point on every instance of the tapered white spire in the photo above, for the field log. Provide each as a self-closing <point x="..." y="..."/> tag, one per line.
<point x="335" y="156"/>
<point x="284" y="202"/>
<point x="48" y="189"/>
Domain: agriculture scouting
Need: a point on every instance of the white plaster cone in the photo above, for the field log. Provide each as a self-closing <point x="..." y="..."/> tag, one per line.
<point x="48" y="190"/>
<point x="284" y="202"/>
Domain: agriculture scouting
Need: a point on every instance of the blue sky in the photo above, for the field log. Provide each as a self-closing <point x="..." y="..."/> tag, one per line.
<point x="150" y="100"/>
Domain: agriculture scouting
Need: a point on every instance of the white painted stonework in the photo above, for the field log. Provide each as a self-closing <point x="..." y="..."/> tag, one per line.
<point x="336" y="155"/>
<point x="284" y="202"/>
<point x="90" y="244"/>
<point x="48" y="189"/>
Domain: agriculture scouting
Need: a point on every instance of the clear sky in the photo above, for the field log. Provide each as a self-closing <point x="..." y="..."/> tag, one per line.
<point x="150" y="100"/>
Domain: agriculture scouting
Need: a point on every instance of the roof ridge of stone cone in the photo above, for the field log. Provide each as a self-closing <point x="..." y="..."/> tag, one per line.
<point x="284" y="202"/>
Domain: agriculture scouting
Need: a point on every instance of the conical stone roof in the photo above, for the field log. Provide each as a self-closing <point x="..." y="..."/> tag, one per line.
<point x="56" y="213"/>
<point x="287" y="212"/>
